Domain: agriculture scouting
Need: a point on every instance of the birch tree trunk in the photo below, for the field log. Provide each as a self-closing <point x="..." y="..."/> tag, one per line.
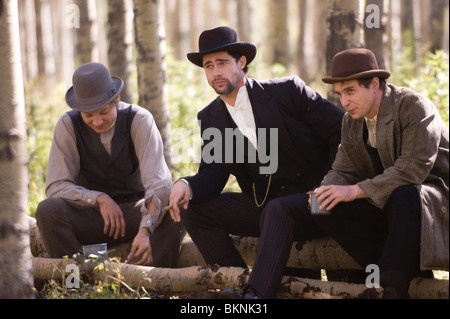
<point x="16" y="280"/>
<point x="244" y="20"/>
<point x="28" y="39"/>
<point x="278" y="34"/>
<point x="66" y="39"/>
<point x="435" y="29"/>
<point x="39" y="41"/>
<point x="374" y="30"/>
<point x="344" y="32"/>
<point x="120" y="43"/>
<point x="173" y="29"/>
<point x="311" y="44"/>
<point x="195" y="25"/>
<point x="150" y="42"/>
<point x="395" y="34"/>
<point x="86" y="35"/>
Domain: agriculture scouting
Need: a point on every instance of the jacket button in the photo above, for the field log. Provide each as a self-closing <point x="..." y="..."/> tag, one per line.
<point x="444" y="209"/>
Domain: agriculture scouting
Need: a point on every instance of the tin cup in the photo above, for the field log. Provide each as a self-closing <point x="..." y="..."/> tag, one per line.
<point x="95" y="250"/>
<point x="315" y="210"/>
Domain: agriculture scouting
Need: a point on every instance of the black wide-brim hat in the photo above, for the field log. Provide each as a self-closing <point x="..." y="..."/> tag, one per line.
<point x="221" y="39"/>
<point x="93" y="87"/>
<point x="354" y="64"/>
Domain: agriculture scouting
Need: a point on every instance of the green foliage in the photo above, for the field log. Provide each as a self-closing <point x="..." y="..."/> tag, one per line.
<point x="430" y="78"/>
<point x="186" y="98"/>
<point x="42" y="112"/>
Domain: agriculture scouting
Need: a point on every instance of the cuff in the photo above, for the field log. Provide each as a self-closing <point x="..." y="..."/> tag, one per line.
<point x="187" y="183"/>
<point x="151" y="220"/>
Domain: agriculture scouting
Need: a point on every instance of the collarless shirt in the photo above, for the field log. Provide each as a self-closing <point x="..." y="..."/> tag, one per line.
<point x="242" y="115"/>
<point x="64" y="165"/>
<point x="106" y="138"/>
<point x="372" y="128"/>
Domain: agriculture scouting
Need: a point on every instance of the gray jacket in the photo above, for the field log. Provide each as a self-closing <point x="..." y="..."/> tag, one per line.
<point x="413" y="144"/>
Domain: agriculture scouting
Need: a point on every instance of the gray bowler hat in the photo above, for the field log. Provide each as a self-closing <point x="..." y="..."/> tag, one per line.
<point x="93" y="87"/>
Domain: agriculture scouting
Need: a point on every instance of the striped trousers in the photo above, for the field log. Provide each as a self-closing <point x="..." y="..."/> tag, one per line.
<point x="210" y="224"/>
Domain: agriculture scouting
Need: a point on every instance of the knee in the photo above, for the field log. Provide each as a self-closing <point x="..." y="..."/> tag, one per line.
<point x="174" y="227"/>
<point x="273" y="205"/>
<point x="49" y="209"/>
<point x="404" y="200"/>
<point x="191" y="214"/>
<point x="406" y="192"/>
<point x="274" y="209"/>
<point x="405" y="195"/>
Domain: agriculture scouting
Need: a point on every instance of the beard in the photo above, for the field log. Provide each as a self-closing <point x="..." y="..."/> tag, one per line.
<point x="228" y="85"/>
<point x="224" y="89"/>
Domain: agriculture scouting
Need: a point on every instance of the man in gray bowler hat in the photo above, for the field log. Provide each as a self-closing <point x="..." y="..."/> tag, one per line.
<point x="107" y="180"/>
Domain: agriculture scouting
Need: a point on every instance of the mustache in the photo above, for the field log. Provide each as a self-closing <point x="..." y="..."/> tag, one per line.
<point x="218" y="80"/>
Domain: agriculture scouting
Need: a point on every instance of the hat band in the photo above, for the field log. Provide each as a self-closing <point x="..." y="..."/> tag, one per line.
<point x="215" y="46"/>
<point x="96" y="99"/>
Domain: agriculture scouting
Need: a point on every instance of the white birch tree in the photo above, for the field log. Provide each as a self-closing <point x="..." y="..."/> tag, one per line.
<point x="150" y="41"/>
<point x="16" y="280"/>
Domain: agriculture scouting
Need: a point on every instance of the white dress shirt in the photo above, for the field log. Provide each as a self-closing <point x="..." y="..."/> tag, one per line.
<point x="242" y="115"/>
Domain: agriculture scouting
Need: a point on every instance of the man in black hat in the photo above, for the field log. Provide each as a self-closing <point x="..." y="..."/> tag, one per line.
<point x="106" y="168"/>
<point x="388" y="188"/>
<point x="277" y="137"/>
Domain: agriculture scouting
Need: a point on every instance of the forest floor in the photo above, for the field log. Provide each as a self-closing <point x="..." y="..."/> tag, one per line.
<point x="54" y="290"/>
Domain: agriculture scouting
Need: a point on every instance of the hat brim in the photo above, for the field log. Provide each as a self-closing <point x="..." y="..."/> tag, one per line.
<point x="76" y="105"/>
<point x="361" y="75"/>
<point x="245" y="48"/>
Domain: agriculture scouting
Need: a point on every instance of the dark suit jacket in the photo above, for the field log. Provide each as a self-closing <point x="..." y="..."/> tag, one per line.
<point x="309" y="130"/>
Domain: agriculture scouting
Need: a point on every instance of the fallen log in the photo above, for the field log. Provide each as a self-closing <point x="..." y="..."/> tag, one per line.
<point x="203" y="278"/>
<point x="305" y="288"/>
<point x="188" y="279"/>
<point x="321" y="253"/>
<point x="36" y="244"/>
<point x="419" y="288"/>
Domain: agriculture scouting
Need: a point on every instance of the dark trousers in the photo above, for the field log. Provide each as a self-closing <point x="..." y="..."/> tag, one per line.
<point x="65" y="228"/>
<point x="388" y="238"/>
<point x="209" y="225"/>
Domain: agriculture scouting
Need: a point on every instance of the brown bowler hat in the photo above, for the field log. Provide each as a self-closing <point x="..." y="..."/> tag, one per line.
<point x="93" y="87"/>
<point x="221" y="39"/>
<point x="354" y="64"/>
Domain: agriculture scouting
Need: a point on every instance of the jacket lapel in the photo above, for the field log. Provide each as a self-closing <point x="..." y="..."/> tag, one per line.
<point x="385" y="130"/>
<point x="268" y="114"/>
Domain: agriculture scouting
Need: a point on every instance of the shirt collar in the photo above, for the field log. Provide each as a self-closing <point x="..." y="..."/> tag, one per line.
<point x="372" y="120"/>
<point x="241" y="99"/>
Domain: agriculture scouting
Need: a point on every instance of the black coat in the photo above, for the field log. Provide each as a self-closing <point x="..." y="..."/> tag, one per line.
<point x="309" y="131"/>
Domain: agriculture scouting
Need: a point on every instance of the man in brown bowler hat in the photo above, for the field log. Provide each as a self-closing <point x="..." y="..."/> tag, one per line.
<point x="107" y="180"/>
<point x="388" y="187"/>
